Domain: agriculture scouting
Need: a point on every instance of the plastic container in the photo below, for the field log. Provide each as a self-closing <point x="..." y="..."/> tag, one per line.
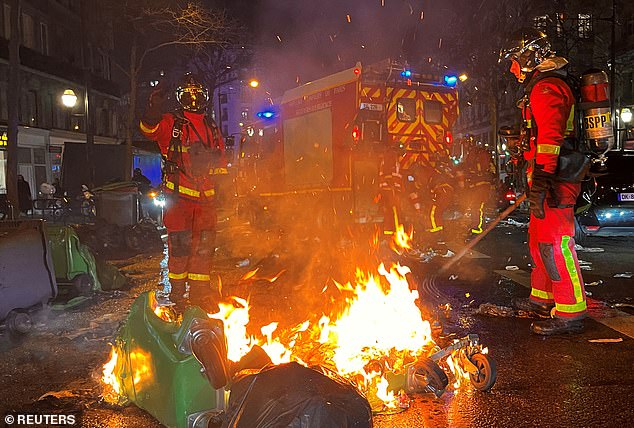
<point x="27" y="275"/>
<point x="118" y="207"/>
<point x="73" y="261"/>
<point x="155" y="370"/>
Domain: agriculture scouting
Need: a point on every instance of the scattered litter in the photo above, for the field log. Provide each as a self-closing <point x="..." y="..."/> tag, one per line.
<point x="585" y="265"/>
<point x="620" y="339"/>
<point x="512" y="267"/>
<point x="516" y="223"/>
<point x="58" y="394"/>
<point x="489" y="309"/>
<point x="243" y="263"/>
<point x="423" y="256"/>
<point x="449" y="254"/>
<point x="623" y="305"/>
<point x="594" y="283"/>
<point x="624" y="275"/>
<point x="589" y="249"/>
<point x="495" y="311"/>
<point x="453" y="277"/>
<point x="588" y="293"/>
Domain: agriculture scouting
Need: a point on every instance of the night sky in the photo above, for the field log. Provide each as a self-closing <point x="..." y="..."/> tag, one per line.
<point x="300" y="40"/>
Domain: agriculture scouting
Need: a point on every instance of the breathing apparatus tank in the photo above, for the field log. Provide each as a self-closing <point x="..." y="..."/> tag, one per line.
<point x="596" y="116"/>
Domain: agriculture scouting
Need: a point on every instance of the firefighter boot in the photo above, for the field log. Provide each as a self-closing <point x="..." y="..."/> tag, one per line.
<point x="527" y="305"/>
<point x="557" y="326"/>
<point x="177" y="296"/>
<point x="205" y="297"/>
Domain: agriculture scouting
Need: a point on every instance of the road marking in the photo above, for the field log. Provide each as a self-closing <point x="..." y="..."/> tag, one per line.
<point x="619" y="321"/>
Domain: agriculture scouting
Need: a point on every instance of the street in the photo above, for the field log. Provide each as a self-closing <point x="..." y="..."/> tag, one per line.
<point x="554" y="381"/>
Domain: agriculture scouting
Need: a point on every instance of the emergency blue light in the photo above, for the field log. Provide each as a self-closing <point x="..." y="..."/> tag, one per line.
<point x="451" y="80"/>
<point x="406" y="73"/>
<point x="265" y="114"/>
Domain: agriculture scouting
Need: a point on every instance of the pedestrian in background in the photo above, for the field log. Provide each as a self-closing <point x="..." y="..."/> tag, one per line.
<point x="25" y="200"/>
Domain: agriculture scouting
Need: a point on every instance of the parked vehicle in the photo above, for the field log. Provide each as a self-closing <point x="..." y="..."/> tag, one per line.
<point x="606" y="204"/>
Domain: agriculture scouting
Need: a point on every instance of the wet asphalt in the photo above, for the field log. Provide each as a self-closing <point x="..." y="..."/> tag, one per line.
<point x="562" y="381"/>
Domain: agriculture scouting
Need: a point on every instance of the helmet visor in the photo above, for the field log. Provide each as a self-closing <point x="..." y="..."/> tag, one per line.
<point x="193" y="98"/>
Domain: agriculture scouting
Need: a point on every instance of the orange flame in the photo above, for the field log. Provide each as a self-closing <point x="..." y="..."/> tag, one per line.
<point x="401" y="240"/>
<point x="110" y="379"/>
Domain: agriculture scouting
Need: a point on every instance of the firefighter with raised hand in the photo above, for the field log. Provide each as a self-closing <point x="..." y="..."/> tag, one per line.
<point x="194" y="161"/>
<point x="548" y="113"/>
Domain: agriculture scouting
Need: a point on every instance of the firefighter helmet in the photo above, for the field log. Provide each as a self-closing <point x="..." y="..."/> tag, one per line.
<point x="527" y="48"/>
<point x="192" y="94"/>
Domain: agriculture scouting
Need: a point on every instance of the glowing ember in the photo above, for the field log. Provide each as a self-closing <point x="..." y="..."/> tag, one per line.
<point x="112" y="388"/>
<point x="141" y="364"/>
<point x="165" y="313"/>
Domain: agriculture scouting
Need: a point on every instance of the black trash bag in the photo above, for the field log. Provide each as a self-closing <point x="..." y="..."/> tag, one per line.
<point x="294" y="396"/>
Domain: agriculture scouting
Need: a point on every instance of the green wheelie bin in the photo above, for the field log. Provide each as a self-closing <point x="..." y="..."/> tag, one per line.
<point x="75" y="265"/>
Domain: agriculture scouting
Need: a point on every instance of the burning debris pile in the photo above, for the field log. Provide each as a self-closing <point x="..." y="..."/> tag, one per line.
<point x="375" y="338"/>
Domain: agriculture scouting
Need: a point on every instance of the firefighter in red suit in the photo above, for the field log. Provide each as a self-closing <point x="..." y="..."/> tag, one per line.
<point x="390" y="188"/>
<point x="194" y="154"/>
<point x="479" y="173"/>
<point x="548" y="113"/>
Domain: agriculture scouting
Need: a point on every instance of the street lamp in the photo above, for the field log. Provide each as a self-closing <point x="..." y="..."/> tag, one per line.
<point x="69" y="99"/>
<point x="254" y="83"/>
<point x="626" y="115"/>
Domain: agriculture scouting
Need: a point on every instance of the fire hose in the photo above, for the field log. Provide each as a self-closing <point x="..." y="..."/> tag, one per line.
<point x="478" y="238"/>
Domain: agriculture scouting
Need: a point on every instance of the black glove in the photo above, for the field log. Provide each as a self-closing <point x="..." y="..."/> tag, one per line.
<point x="156" y="107"/>
<point x="541" y="185"/>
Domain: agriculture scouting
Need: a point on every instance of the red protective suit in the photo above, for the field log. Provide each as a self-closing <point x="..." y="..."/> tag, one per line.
<point x="479" y="169"/>
<point x="195" y="152"/>
<point x="556" y="276"/>
<point x="391" y="188"/>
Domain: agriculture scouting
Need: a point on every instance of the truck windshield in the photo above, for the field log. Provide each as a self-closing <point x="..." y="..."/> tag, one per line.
<point x="432" y="111"/>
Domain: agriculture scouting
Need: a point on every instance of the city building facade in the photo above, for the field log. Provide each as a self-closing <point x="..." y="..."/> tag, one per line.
<point x="54" y="58"/>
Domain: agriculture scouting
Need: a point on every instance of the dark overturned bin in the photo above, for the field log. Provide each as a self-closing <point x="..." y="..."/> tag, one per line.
<point x="118" y="203"/>
<point x="27" y="274"/>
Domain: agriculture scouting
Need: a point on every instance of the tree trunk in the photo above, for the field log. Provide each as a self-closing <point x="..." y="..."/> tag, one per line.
<point x="131" y="121"/>
<point x="13" y="101"/>
<point x="89" y="122"/>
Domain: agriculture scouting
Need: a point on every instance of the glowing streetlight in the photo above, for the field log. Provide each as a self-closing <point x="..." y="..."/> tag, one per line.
<point x="69" y="99"/>
<point x="254" y="83"/>
<point x="626" y="115"/>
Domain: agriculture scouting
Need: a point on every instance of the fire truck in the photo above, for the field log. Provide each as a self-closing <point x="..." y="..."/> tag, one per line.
<point x="316" y="154"/>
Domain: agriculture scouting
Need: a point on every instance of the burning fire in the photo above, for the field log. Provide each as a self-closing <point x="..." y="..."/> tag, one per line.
<point x="377" y="331"/>
<point x="112" y="389"/>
